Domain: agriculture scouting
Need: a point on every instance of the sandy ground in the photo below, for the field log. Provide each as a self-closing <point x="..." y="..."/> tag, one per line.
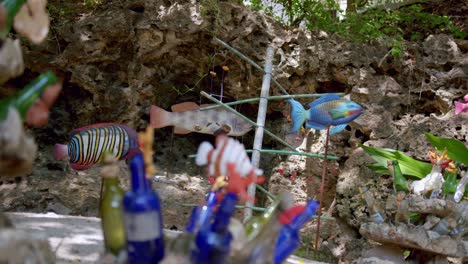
<point x="76" y="239"/>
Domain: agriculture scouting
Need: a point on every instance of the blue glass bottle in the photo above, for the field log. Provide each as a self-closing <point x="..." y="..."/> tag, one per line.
<point x="142" y="218"/>
<point x="213" y="241"/>
<point x="288" y="238"/>
<point x="202" y="216"/>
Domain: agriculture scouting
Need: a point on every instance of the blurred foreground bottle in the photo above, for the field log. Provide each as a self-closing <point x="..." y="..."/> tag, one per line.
<point x="142" y="218"/>
<point x="261" y="249"/>
<point x="27" y="96"/>
<point x="288" y="239"/>
<point x="8" y="11"/>
<point x="254" y="224"/>
<point x="111" y="208"/>
<point x="213" y="240"/>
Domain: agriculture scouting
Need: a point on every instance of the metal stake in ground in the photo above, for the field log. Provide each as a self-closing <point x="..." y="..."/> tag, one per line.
<point x="324" y="172"/>
<point x="262" y="109"/>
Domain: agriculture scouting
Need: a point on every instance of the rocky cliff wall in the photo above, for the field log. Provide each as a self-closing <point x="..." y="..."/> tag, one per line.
<point x="127" y="55"/>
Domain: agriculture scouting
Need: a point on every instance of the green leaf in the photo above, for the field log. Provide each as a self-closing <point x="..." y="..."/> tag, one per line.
<point x="456" y="150"/>
<point x="408" y="165"/>
<point x="450" y="184"/>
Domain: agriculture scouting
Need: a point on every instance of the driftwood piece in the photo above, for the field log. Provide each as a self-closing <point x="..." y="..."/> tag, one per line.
<point x="415" y="237"/>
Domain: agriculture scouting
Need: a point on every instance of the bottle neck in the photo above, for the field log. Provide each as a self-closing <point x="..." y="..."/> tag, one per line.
<point x="139" y="181"/>
<point x="111" y="181"/>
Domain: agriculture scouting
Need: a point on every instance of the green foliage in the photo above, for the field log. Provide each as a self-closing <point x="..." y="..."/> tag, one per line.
<point x="92" y="3"/>
<point x="406" y="23"/>
<point x="408" y="165"/>
<point x="62" y="11"/>
<point x="210" y="9"/>
<point x="450" y="184"/>
<point x="306" y="250"/>
<point x="456" y="150"/>
<point x="414" y="217"/>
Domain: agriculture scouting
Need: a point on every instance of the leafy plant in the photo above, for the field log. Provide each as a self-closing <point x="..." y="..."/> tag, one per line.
<point x="456" y="150"/>
<point x="408" y="165"/>
<point x="406" y="23"/>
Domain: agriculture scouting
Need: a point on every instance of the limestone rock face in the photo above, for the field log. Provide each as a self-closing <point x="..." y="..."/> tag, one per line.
<point x="128" y="55"/>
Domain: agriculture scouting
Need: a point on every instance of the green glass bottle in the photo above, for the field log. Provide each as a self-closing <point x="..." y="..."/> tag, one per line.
<point x="9" y="9"/>
<point x="28" y="95"/>
<point x="260" y="248"/>
<point x="254" y="224"/>
<point x="111" y="211"/>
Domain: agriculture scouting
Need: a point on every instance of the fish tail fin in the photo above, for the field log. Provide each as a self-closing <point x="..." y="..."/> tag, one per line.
<point x="60" y="151"/>
<point x="458" y="107"/>
<point x="298" y="115"/>
<point x="159" y="117"/>
<point x="202" y="153"/>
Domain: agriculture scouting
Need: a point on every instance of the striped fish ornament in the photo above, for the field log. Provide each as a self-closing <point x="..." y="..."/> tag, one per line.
<point x="87" y="145"/>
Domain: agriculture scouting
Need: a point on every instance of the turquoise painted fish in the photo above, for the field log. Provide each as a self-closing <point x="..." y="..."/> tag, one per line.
<point x="327" y="110"/>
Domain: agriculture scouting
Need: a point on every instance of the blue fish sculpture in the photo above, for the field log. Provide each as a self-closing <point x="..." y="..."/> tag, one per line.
<point x="328" y="110"/>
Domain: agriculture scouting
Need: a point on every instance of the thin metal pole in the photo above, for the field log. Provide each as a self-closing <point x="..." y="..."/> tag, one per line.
<point x="260" y="209"/>
<point x="275" y="97"/>
<point x="261" y="116"/>
<point x="255" y="208"/>
<point x="285" y="152"/>
<point x="246" y="119"/>
<point x="324" y="172"/>
<point x="238" y="53"/>
<point x="266" y="192"/>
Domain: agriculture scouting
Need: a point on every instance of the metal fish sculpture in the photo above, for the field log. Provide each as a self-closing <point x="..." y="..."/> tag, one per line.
<point x="228" y="150"/>
<point x="186" y="117"/>
<point x="88" y="144"/>
<point x="327" y="110"/>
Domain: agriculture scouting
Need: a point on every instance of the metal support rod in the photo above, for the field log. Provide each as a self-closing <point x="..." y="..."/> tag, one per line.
<point x="275" y="97"/>
<point x="255" y="208"/>
<point x="285" y="152"/>
<point x="261" y="116"/>
<point x="238" y="53"/>
<point x="246" y="119"/>
<point x="266" y="192"/>
<point x="324" y="172"/>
